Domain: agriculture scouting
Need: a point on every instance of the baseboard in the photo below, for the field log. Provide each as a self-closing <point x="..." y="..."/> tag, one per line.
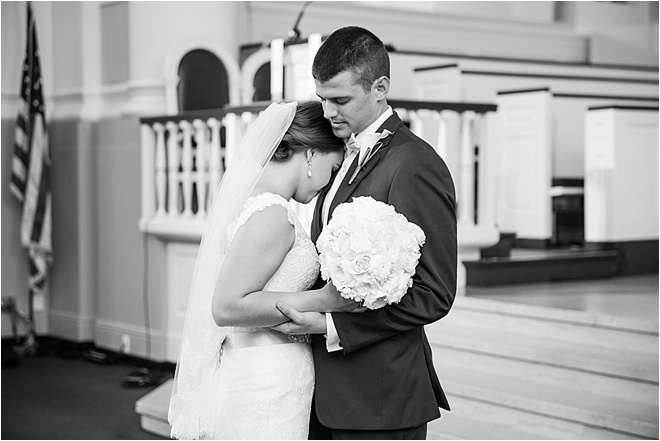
<point x="56" y="346"/>
<point x="637" y="257"/>
<point x="521" y="242"/>
<point x="69" y="326"/>
<point x="47" y="345"/>
<point x="576" y="265"/>
<point x="110" y="335"/>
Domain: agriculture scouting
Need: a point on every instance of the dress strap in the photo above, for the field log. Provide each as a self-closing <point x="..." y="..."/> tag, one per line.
<point x="263" y="201"/>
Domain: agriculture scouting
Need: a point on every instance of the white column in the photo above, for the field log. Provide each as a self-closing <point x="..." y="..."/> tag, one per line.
<point x="277" y="69"/>
<point x="488" y="156"/>
<point x="466" y="197"/>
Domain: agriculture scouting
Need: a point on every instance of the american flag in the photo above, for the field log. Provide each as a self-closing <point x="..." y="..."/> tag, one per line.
<point x="30" y="170"/>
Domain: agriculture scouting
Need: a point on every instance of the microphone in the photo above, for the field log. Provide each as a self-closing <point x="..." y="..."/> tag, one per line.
<point x="294" y="33"/>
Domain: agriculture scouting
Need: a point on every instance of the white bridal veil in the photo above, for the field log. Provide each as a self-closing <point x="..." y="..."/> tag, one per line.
<point x="191" y="412"/>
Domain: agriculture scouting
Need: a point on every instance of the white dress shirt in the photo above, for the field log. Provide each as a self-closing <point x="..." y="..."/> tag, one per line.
<point x="365" y="141"/>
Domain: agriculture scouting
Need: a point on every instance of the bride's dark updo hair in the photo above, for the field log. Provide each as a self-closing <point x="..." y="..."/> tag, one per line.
<point x="309" y="129"/>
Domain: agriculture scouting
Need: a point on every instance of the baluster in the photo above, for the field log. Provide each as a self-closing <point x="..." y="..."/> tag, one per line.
<point x="416" y="125"/>
<point x="466" y="204"/>
<point x="173" y="158"/>
<point x="148" y="168"/>
<point x="246" y="120"/>
<point x="201" y="175"/>
<point x="232" y="136"/>
<point x="187" y="168"/>
<point x="442" y="145"/>
<point x="215" y="159"/>
<point x="161" y="169"/>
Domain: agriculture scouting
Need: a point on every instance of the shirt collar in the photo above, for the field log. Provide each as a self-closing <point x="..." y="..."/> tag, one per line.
<point x="371" y="128"/>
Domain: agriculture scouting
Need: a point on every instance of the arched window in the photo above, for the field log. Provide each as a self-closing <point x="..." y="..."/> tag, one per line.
<point x="203" y="81"/>
<point x="262" y="83"/>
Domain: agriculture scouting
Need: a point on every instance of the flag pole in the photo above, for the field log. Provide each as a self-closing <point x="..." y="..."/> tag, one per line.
<point x="30" y="176"/>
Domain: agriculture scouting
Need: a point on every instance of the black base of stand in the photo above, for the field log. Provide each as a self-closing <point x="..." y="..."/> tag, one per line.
<point x="142" y="378"/>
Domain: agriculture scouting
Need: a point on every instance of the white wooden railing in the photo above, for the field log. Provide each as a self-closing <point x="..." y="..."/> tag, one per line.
<point x="183" y="160"/>
<point x="185" y="156"/>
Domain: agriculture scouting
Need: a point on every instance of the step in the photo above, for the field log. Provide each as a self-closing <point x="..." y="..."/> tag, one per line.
<point x="475" y="419"/>
<point x="153" y="408"/>
<point x="566" y="416"/>
<point x="546" y="363"/>
<point x="597" y="401"/>
<point x="630" y="324"/>
<point x="503" y="335"/>
<point x="543" y="267"/>
<point x="467" y="422"/>
<point x="537" y="321"/>
<point x="571" y="387"/>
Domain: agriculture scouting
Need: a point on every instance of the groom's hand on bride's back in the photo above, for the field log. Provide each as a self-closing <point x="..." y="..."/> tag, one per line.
<point x="300" y="322"/>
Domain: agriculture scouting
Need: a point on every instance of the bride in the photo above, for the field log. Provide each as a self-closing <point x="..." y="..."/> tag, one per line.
<point x="235" y="378"/>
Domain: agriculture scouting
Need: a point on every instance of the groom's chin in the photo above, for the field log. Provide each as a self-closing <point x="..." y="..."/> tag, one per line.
<point x="342" y="133"/>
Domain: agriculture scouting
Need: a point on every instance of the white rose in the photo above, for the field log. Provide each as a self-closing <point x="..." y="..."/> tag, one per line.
<point x="361" y="264"/>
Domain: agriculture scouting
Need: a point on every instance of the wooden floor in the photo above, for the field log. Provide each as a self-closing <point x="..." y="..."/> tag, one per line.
<point x="629" y="296"/>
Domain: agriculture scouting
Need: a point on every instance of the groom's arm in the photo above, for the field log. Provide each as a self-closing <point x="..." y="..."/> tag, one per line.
<point x="423" y="191"/>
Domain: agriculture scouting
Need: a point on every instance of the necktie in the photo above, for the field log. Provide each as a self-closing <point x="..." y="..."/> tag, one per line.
<point x="351" y="145"/>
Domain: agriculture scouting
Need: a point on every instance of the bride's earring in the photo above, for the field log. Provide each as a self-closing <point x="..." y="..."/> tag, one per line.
<point x="309" y="169"/>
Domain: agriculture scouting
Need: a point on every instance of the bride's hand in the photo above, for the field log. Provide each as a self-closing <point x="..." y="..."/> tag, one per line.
<point x="336" y="303"/>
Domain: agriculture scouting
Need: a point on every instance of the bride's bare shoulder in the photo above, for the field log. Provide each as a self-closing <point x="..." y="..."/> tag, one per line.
<point x="267" y="228"/>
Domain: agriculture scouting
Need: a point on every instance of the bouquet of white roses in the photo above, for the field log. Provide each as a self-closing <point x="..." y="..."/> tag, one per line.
<point x="370" y="252"/>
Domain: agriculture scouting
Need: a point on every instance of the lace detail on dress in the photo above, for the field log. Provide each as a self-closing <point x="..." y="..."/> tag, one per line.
<point x="265" y="392"/>
<point x="301" y="266"/>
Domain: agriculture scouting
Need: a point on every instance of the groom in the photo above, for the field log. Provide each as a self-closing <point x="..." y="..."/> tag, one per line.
<point x="374" y="371"/>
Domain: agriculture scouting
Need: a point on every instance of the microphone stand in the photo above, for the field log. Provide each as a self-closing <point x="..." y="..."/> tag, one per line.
<point x="294" y="33"/>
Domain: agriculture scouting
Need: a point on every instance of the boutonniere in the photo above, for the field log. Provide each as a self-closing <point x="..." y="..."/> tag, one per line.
<point x="377" y="139"/>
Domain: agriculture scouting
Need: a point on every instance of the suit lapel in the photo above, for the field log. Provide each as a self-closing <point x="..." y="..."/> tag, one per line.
<point x="346" y="190"/>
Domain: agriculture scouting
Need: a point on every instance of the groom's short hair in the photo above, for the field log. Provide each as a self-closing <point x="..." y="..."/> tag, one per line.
<point x="355" y="49"/>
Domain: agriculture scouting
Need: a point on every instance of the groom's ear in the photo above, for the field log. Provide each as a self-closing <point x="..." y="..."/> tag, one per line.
<point x="381" y="87"/>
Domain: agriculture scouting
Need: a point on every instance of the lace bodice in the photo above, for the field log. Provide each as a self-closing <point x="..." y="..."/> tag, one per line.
<point x="300" y="266"/>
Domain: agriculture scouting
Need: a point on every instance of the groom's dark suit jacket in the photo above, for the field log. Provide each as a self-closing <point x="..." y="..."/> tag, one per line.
<point x="384" y="377"/>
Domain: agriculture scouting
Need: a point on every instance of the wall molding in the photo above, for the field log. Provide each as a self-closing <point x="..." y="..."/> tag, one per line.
<point x="70" y="326"/>
<point x="108" y="335"/>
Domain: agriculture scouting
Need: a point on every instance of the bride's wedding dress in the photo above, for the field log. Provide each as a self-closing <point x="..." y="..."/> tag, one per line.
<point x="265" y="380"/>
